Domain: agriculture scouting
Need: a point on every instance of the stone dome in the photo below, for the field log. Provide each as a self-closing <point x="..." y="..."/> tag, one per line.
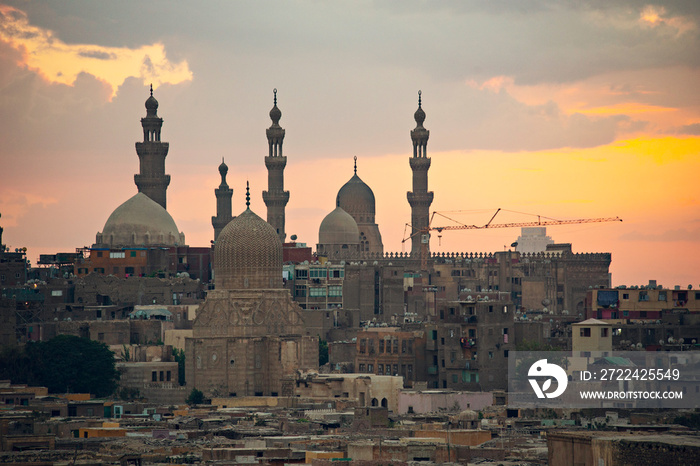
<point x="467" y="415"/>
<point x="248" y="254"/>
<point x="140" y="221"/>
<point x="357" y="199"/>
<point x="338" y="228"/>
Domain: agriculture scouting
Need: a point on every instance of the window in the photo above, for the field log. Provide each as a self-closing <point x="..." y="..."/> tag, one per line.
<point x="317" y="273"/>
<point x="99" y="253"/>
<point x="363" y="346"/>
<point x="403" y="346"/>
<point x="317" y="292"/>
<point x="604" y="332"/>
<point x="396" y="369"/>
<point x="662" y="296"/>
<point x="371" y="346"/>
<point x="454" y="378"/>
<point x="490" y="308"/>
<point x="585" y="332"/>
<point x="410" y="346"/>
<point x="381" y="346"/>
<point x="380" y="369"/>
<point x="132" y="253"/>
<point x="643" y="296"/>
<point x="300" y="291"/>
<point x="117" y="255"/>
<point x="302" y="274"/>
<point x="370" y="368"/>
<point x="101" y="337"/>
<point x="337" y="273"/>
<point x="395" y="344"/>
<point x="335" y="291"/>
<point x="490" y="354"/>
<point x="168" y="376"/>
<point x="154" y="376"/>
<point x="625" y="296"/>
<point x="362" y="367"/>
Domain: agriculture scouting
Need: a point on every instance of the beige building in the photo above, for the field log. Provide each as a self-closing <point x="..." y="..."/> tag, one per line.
<point x="363" y="389"/>
<point x="591" y="335"/>
<point x="249" y="333"/>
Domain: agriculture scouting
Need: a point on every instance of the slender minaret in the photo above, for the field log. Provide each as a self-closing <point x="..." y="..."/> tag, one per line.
<point x="420" y="198"/>
<point x="152" y="180"/>
<point x="223" y="203"/>
<point x="276" y="197"/>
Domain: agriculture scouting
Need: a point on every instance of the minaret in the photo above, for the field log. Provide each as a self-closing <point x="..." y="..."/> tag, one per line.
<point x="223" y="202"/>
<point x="275" y="197"/>
<point x="420" y="198"/>
<point x="152" y="180"/>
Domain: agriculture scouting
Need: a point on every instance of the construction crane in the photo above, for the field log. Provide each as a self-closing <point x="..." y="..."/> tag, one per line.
<point x="425" y="232"/>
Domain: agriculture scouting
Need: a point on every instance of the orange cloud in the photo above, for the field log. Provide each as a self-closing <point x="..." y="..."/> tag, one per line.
<point x="654" y="16"/>
<point x="58" y="62"/>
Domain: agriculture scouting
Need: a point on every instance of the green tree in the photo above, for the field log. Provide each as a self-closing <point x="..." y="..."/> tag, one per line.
<point x="322" y="352"/>
<point x="179" y="356"/>
<point x="65" y="363"/>
<point x="196" y="397"/>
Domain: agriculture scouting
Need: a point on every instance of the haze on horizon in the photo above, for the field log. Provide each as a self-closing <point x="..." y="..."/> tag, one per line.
<point x="565" y="111"/>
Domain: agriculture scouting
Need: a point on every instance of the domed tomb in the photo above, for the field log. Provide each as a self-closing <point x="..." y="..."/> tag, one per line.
<point x="338" y="228"/>
<point x="357" y="199"/>
<point x="248" y="254"/>
<point x="140" y="221"/>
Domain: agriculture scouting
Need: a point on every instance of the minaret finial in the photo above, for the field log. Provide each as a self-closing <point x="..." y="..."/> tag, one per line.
<point x="419" y="94"/>
<point x="247" y="194"/>
<point x="275" y="92"/>
<point x="356" y="165"/>
<point x="151" y="89"/>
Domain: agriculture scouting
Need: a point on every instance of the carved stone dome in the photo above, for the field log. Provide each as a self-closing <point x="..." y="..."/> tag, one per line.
<point x="140" y="221"/>
<point x="338" y="228"/>
<point x="248" y="255"/>
<point x="357" y="199"/>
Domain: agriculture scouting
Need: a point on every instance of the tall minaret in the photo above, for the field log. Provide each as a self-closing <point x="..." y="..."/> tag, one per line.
<point x="275" y="197"/>
<point x="152" y="180"/>
<point x="420" y="198"/>
<point x="223" y="203"/>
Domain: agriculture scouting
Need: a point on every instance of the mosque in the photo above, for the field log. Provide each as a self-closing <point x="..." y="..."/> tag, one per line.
<point x="255" y="326"/>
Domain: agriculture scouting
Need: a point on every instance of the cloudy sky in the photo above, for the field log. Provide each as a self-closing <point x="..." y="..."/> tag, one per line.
<point x="536" y="107"/>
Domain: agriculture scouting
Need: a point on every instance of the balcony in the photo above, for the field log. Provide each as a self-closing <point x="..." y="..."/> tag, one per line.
<point x="467" y="343"/>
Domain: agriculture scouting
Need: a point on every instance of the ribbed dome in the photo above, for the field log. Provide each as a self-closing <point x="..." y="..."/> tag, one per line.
<point x="338" y="228"/>
<point x="248" y="254"/>
<point x="356" y="198"/>
<point x="140" y="221"/>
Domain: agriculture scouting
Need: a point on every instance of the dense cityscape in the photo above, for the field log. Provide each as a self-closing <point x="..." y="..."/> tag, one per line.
<point x="141" y="349"/>
<point x="472" y="237"/>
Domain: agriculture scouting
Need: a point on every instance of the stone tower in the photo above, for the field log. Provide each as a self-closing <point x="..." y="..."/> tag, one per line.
<point x="420" y="198"/>
<point x="275" y="197"/>
<point x="223" y="203"/>
<point x="152" y="180"/>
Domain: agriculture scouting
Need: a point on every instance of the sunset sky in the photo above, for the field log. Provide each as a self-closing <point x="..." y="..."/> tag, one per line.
<point x="547" y="108"/>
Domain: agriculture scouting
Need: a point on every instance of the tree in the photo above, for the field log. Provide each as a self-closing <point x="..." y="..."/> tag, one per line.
<point x="196" y="397"/>
<point x="179" y="356"/>
<point x="65" y="363"/>
<point x="322" y="352"/>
